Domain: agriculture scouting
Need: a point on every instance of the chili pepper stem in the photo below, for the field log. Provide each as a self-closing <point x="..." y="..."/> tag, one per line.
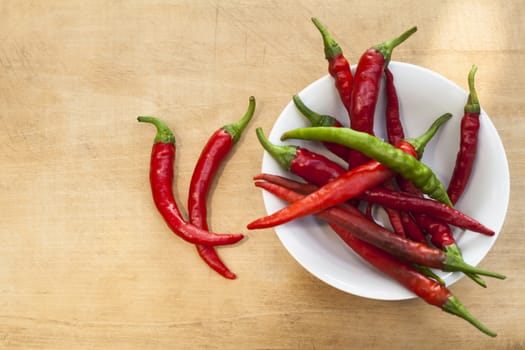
<point x="454" y="249"/>
<point x="387" y="47"/>
<point x="284" y="155"/>
<point x="236" y="129"/>
<point x="331" y="47"/>
<point x="420" y="142"/>
<point x="164" y="133"/>
<point x="313" y="117"/>
<point x="454" y="306"/>
<point x="455" y="263"/>
<point x="472" y="105"/>
<point x="425" y="270"/>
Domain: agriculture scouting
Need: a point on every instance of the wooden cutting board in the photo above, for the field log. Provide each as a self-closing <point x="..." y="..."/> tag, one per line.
<point x="85" y="260"/>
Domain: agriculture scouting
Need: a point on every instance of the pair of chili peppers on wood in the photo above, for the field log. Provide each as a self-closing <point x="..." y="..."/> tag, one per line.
<point x="195" y="230"/>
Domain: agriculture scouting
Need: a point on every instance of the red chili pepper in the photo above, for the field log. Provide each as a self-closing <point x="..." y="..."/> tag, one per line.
<point x="416" y="204"/>
<point x="338" y="65"/>
<point x="412" y="230"/>
<point x="394" y="215"/>
<point x="429" y="290"/>
<point x="366" y="88"/>
<point x="468" y="142"/>
<point x="394" y="128"/>
<point x="212" y="156"/>
<point x="161" y="180"/>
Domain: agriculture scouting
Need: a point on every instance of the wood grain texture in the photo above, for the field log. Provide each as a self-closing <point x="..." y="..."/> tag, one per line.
<point x="86" y="262"/>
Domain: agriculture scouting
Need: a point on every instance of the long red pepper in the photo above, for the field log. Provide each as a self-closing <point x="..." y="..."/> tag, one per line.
<point x="365" y="90"/>
<point x="468" y="142"/>
<point x="338" y="65"/>
<point x="394" y="128"/>
<point x="416" y="204"/>
<point x="212" y="156"/>
<point x="429" y="290"/>
<point x="161" y="180"/>
<point x="395" y="133"/>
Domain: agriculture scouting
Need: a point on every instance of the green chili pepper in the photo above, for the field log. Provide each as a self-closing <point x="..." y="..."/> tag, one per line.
<point x="407" y="166"/>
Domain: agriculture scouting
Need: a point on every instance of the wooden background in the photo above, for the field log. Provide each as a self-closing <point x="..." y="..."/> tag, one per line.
<point x="85" y="260"/>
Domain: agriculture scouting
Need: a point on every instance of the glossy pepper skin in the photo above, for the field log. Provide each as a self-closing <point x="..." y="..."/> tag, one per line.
<point x="468" y="142"/>
<point x="338" y="65"/>
<point x="392" y="157"/>
<point x="365" y="91"/>
<point x="429" y="290"/>
<point x="212" y="156"/>
<point x="161" y="180"/>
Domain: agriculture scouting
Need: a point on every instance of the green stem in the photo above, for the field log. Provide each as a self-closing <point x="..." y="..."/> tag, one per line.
<point x="235" y="129"/>
<point x="387" y="47"/>
<point x="454" y="263"/>
<point x="314" y="118"/>
<point x="454" y="249"/>
<point x="164" y="133"/>
<point x="454" y="306"/>
<point x="425" y="270"/>
<point x="472" y="105"/>
<point x="331" y="47"/>
<point x="284" y="155"/>
<point x="420" y="142"/>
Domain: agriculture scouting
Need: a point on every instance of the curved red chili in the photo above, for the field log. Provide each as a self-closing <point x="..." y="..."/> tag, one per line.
<point x="468" y="142"/>
<point x="365" y="91"/>
<point x="161" y="180"/>
<point x="212" y="156"/>
<point x="338" y="65"/>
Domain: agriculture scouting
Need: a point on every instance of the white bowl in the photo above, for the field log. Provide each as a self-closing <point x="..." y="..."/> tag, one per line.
<point x="423" y="96"/>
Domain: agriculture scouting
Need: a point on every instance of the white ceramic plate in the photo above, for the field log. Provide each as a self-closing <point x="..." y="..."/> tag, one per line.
<point x="423" y="96"/>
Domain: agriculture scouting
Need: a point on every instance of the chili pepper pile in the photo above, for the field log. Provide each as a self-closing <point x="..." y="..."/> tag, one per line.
<point x="382" y="173"/>
<point x="195" y="229"/>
